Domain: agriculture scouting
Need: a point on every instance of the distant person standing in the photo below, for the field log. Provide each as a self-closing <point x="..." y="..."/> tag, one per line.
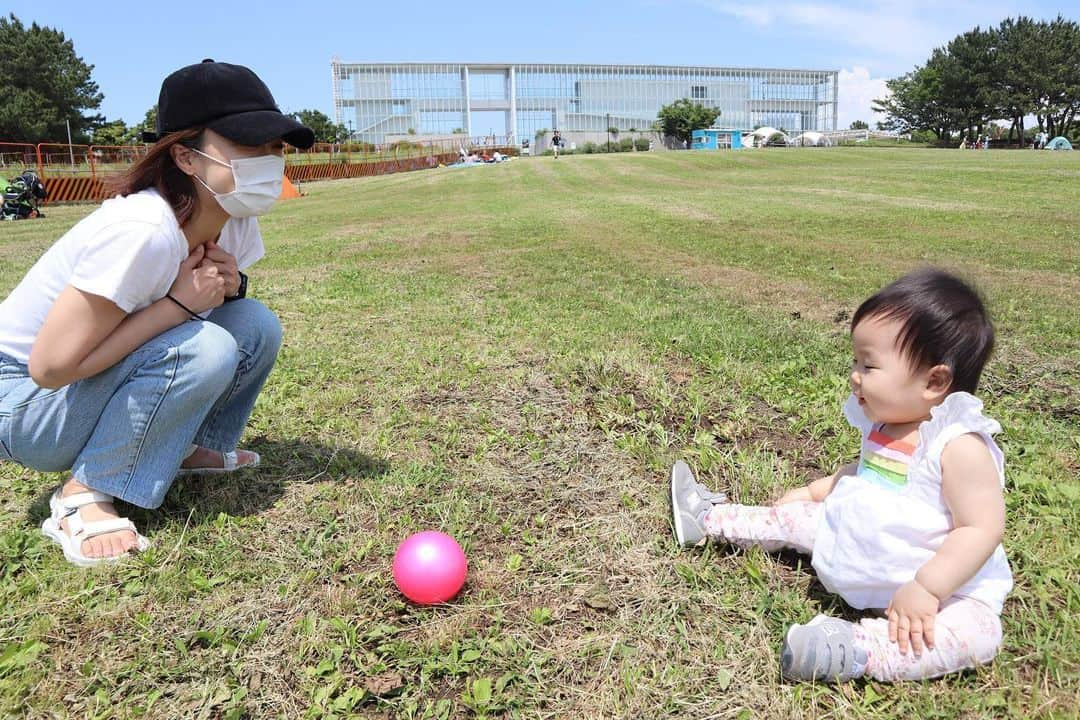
<point x="556" y="141"/>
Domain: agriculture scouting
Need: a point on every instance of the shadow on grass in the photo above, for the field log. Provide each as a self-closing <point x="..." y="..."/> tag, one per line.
<point x="830" y="603"/>
<point x="245" y="492"/>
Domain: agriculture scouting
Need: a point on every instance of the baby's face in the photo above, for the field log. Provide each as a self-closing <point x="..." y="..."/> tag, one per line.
<point x="889" y="389"/>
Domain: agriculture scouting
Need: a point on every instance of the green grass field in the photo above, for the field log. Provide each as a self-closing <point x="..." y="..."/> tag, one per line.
<point x="516" y="354"/>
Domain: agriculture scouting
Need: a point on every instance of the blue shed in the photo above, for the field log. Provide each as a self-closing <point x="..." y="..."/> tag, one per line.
<point x="716" y="139"/>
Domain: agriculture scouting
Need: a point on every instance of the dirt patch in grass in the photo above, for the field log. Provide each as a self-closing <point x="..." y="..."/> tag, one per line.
<point x="624" y="400"/>
<point x="750" y="288"/>
<point x="583" y="520"/>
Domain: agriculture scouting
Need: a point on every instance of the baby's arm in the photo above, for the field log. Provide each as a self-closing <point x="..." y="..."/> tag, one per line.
<point x="817" y="490"/>
<point x="972" y="492"/>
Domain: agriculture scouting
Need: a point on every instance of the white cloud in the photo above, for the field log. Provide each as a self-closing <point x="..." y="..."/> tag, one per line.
<point x="895" y="34"/>
<point x="857" y="90"/>
<point x="887" y="28"/>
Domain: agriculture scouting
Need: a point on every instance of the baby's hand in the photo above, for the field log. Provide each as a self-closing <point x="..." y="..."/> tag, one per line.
<point x="911" y="616"/>
<point x="799" y="494"/>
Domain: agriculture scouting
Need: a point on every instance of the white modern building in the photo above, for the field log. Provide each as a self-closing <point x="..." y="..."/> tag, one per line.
<point x="374" y="100"/>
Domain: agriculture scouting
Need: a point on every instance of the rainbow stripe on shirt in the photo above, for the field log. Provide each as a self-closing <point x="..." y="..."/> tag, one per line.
<point x="884" y="461"/>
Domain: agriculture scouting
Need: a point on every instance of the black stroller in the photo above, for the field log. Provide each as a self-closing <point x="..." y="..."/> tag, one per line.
<point x="22" y="195"/>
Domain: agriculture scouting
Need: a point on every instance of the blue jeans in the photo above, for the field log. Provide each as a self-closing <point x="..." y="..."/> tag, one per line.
<point x="126" y="430"/>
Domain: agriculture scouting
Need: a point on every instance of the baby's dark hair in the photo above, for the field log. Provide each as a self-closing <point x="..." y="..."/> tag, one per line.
<point x="944" y="322"/>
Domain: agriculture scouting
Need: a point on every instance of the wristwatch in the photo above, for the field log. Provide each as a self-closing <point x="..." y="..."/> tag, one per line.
<point x="240" y="291"/>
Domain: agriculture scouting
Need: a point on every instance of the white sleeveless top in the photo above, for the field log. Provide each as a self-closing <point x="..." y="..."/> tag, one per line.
<point x="879" y="526"/>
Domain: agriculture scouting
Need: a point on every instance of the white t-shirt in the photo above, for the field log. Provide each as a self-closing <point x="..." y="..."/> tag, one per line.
<point x="879" y="526"/>
<point x="128" y="251"/>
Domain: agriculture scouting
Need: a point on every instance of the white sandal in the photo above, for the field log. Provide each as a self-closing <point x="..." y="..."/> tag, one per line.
<point x="67" y="508"/>
<point x="231" y="465"/>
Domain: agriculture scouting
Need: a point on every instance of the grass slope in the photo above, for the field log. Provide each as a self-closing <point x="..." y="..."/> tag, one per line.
<point x="515" y="355"/>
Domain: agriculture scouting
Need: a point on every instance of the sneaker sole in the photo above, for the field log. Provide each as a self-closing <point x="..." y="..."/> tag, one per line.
<point x="676" y="520"/>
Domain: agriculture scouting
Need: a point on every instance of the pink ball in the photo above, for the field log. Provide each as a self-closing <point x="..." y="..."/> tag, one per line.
<point x="429" y="567"/>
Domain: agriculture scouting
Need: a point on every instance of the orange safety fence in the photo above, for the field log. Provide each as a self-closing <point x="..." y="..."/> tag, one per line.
<point x="75" y="173"/>
<point x="324" y="161"/>
<point x="16" y="157"/>
<point x="56" y="160"/>
<point x="74" y="189"/>
<point x="109" y="159"/>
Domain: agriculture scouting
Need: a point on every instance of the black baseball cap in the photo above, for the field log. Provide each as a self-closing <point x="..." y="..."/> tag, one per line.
<point x="229" y="99"/>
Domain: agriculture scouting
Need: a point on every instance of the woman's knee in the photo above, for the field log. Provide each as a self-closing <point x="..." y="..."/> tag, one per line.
<point x="267" y="329"/>
<point x="210" y="357"/>
<point x="256" y="328"/>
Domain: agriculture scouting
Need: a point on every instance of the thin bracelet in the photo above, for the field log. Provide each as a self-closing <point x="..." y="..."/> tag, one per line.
<point x="184" y="307"/>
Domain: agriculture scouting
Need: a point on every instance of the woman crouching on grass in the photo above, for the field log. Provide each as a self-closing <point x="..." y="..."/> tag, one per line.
<point x="129" y="352"/>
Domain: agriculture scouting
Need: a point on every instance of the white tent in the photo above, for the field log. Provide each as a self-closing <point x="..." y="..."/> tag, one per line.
<point x="763" y="135"/>
<point x="812" y="139"/>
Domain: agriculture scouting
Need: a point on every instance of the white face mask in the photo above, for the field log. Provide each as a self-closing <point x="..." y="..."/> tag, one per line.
<point x="257" y="184"/>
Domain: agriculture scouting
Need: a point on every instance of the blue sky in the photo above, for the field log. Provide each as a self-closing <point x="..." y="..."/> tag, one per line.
<point x="289" y="44"/>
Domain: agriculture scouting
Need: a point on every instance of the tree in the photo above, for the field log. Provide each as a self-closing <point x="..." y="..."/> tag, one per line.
<point x="44" y="85"/>
<point x="918" y="102"/>
<point x="1021" y="68"/>
<point x="682" y="117"/>
<point x="111" y="133"/>
<point x="149" y="124"/>
<point x="1055" y="90"/>
<point x="1013" y="71"/>
<point x="324" y="128"/>
<point x="967" y="69"/>
<point x="859" y="125"/>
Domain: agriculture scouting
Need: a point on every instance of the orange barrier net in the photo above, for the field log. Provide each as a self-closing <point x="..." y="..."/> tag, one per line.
<point x="75" y="173"/>
<point x="16" y="157"/>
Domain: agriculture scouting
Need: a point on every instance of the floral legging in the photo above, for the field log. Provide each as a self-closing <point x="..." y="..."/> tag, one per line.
<point x="967" y="632"/>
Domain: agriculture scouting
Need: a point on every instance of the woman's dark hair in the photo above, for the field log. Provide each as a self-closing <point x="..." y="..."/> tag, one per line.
<point x="157" y="170"/>
<point x="944" y="322"/>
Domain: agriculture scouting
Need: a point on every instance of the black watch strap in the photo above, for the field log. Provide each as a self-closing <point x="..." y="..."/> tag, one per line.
<point x="241" y="291"/>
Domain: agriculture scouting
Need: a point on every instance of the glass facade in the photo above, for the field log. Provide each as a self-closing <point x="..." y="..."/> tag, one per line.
<point x="378" y="99"/>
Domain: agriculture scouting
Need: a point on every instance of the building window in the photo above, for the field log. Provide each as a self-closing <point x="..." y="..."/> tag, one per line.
<point x="441" y="122"/>
<point x="697" y="91"/>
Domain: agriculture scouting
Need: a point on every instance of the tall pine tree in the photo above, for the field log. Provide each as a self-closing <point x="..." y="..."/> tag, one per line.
<point x="43" y="84"/>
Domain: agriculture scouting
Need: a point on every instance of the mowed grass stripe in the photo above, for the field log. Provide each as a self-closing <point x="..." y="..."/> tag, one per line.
<point x="516" y="354"/>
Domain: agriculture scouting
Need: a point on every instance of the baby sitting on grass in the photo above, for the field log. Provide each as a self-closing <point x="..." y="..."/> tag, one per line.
<point x="913" y="527"/>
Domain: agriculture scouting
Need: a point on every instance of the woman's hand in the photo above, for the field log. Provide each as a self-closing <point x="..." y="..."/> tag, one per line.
<point x="226" y="265"/>
<point x="911" y="614"/>
<point x="199" y="285"/>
